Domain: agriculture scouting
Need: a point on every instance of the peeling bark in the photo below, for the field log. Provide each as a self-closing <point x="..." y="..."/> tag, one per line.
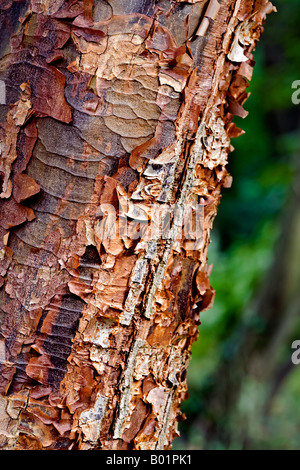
<point x="113" y="108"/>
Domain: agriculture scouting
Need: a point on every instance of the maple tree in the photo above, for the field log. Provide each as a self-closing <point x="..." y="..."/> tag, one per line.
<point x="114" y="109"/>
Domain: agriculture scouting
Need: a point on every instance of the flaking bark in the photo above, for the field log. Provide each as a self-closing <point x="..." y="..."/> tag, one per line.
<point x="125" y="106"/>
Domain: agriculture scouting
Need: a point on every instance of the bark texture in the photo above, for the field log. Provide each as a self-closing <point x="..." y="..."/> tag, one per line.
<point x="123" y="104"/>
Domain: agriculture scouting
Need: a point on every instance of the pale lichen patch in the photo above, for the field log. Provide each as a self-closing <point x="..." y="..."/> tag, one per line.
<point x="90" y="420"/>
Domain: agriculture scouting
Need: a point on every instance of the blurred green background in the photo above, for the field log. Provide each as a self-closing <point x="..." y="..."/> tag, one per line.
<point x="244" y="390"/>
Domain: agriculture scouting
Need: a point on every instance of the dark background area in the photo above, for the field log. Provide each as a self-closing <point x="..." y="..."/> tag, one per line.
<point x="244" y="389"/>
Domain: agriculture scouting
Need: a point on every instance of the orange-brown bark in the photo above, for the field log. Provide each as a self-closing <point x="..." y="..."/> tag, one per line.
<point x="113" y="108"/>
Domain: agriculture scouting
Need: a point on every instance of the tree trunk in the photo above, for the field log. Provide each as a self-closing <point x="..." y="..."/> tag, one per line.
<point x="115" y="132"/>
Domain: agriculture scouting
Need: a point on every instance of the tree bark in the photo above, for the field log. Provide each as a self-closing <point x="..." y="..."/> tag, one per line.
<point x="115" y="111"/>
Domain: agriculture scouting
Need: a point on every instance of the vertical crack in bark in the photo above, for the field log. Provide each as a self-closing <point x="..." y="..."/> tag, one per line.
<point x="125" y="388"/>
<point x="162" y="442"/>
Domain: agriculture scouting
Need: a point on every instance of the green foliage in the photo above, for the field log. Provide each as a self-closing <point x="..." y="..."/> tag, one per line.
<point x="263" y="166"/>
